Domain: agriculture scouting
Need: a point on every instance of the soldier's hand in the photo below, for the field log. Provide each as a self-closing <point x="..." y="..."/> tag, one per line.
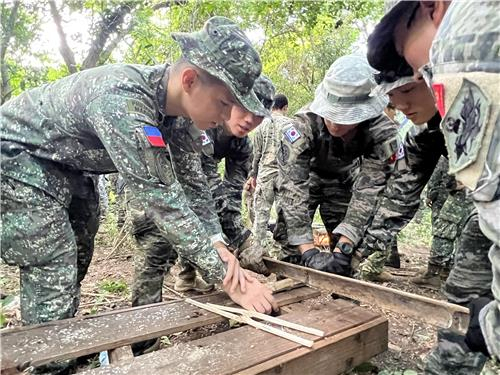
<point x="250" y="254"/>
<point x="235" y="275"/>
<point x="258" y="297"/>
<point x="250" y="184"/>
<point x="337" y="263"/>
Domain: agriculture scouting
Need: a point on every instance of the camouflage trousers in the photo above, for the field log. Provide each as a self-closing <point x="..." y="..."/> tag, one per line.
<point x="331" y="196"/>
<point x="264" y="197"/>
<point x="51" y="240"/>
<point x="228" y="206"/>
<point x="447" y="225"/>
<point x="471" y="275"/>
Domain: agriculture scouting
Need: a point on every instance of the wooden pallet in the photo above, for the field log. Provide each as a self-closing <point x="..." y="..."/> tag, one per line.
<point x="353" y="336"/>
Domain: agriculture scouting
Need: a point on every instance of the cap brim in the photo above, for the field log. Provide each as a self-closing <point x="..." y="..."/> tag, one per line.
<point x="348" y="113"/>
<point x="193" y="52"/>
<point x="385" y="87"/>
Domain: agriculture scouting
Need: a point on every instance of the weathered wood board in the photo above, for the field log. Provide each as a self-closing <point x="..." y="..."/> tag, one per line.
<point x="71" y="338"/>
<point x="353" y="335"/>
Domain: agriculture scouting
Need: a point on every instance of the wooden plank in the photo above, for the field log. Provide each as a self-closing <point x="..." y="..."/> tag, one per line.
<point x="71" y="338"/>
<point x="357" y="332"/>
<point x="437" y="313"/>
<point x="121" y="354"/>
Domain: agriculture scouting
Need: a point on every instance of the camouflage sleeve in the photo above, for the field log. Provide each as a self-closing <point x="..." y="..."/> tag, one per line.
<point x="294" y="165"/>
<point x="401" y="198"/>
<point x="227" y="193"/>
<point x="257" y="151"/>
<point x="438" y="180"/>
<point x="119" y="122"/>
<point x="376" y="167"/>
<point x="185" y="146"/>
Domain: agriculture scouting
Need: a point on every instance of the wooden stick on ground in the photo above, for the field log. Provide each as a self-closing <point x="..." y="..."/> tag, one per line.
<point x="270" y="319"/>
<point x="253" y="323"/>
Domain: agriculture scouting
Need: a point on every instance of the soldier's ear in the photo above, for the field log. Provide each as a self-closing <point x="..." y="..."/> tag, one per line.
<point x="435" y="10"/>
<point x="189" y="76"/>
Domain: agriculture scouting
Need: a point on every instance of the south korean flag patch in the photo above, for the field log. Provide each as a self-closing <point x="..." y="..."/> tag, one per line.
<point x="292" y="134"/>
<point x="205" y="139"/>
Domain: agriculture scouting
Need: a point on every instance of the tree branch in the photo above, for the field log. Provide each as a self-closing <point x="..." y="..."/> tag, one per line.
<point x="7" y="34"/>
<point x="66" y="52"/>
<point x="108" y="25"/>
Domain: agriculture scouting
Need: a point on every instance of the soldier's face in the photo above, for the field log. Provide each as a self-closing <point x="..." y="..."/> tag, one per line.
<point x="414" y="42"/>
<point x="207" y="105"/>
<point x="242" y="122"/>
<point x="415" y="101"/>
<point x="338" y="130"/>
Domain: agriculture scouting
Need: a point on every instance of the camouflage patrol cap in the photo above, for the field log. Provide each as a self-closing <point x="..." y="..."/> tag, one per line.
<point x="224" y="51"/>
<point x="264" y="89"/>
<point x="343" y="96"/>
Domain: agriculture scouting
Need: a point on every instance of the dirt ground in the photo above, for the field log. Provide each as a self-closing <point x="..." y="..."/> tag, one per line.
<point x="107" y="286"/>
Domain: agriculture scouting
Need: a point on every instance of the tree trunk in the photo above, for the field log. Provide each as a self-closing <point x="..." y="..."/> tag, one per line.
<point x="6" y="90"/>
<point x="66" y="52"/>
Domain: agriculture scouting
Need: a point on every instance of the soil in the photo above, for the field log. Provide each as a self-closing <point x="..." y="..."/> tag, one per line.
<point x="409" y="340"/>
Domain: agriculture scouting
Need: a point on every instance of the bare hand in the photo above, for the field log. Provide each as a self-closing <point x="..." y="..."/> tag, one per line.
<point x="258" y="297"/>
<point x="235" y="275"/>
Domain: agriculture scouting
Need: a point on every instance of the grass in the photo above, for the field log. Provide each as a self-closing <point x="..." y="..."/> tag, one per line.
<point x="418" y="233"/>
<point x="114" y="286"/>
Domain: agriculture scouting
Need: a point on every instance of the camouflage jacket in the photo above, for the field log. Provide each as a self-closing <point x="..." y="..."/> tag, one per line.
<point x="266" y="140"/>
<point x="307" y="147"/>
<point x="398" y="204"/>
<point x="103" y="120"/>
<point x="237" y="155"/>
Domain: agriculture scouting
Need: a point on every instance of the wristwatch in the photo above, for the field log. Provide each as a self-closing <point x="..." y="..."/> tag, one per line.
<point x="345" y="247"/>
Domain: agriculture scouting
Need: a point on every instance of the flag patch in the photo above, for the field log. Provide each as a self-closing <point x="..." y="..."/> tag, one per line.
<point x="292" y="134"/>
<point x="154" y="136"/>
<point x="205" y="139"/>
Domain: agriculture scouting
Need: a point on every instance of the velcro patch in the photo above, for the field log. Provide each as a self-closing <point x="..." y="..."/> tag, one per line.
<point x="205" y="139"/>
<point x="154" y="136"/>
<point x="292" y="134"/>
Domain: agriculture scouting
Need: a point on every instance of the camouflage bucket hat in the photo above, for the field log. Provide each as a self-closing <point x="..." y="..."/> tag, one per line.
<point x="224" y="51"/>
<point x="343" y="96"/>
<point x="264" y="89"/>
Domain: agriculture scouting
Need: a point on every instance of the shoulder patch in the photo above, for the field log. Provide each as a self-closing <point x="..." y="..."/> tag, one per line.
<point x="292" y="134"/>
<point x="154" y="136"/>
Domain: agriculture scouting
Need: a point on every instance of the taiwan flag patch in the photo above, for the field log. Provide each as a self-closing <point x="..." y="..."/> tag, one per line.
<point x="154" y="136"/>
<point x="292" y="134"/>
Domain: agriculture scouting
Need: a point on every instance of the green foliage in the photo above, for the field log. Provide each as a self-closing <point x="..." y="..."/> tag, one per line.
<point x="418" y="233"/>
<point x="114" y="286"/>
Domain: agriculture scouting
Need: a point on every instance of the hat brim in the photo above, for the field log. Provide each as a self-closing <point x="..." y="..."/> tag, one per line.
<point x="386" y="87"/>
<point x="348" y="113"/>
<point x="194" y="53"/>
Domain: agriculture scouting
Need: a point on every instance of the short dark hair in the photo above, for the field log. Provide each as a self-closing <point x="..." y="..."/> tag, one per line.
<point x="280" y="101"/>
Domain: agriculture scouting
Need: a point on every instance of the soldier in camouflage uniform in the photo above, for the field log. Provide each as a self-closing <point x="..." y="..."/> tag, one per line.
<point x="230" y="142"/>
<point x="466" y="65"/>
<point x="336" y="154"/>
<point x="103" y="120"/>
<point x="264" y="173"/>
<point x="450" y="208"/>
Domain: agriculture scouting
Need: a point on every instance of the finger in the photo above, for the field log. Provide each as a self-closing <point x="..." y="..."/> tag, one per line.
<point x="236" y="276"/>
<point x="249" y="278"/>
<point x="259" y="307"/>
<point x="243" y="284"/>
<point x="271" y="300"/>
<point x="229" y="272"/>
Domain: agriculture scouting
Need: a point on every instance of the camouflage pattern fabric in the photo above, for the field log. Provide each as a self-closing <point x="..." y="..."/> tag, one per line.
<point x="438" y="187"/>
<point x="447" y="227"/>
<point x="103" y="195"/>
<point x="227" y="191"/>
<point x="266" y="140"/>
<point x="465" y="61"/>
<point x="401" y="198"/>
<point x="224" y="51"/>
<point x="471" y="274"/>
<point x="308" y="149"/>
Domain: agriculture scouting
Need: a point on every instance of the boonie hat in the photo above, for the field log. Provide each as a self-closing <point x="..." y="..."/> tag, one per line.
<point x="225" y="52"/>
<point x="343" y="96"/>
